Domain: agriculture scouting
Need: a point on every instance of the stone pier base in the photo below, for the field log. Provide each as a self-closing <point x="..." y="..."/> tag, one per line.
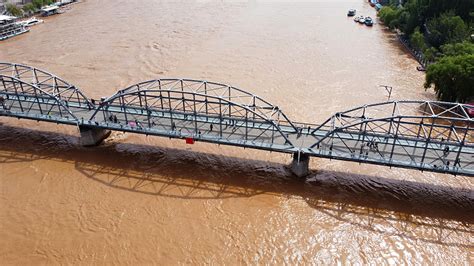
<point x="300" y="164"/>
<point x="92" y="136"/>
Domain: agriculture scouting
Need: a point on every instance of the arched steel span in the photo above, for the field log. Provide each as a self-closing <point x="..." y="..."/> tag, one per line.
<point x="47" y="82"/>
<point x="252" y="118"/>
<point x="228" y="93"/>
<point x="433" y="133"/>
<point x="26" y="100"/>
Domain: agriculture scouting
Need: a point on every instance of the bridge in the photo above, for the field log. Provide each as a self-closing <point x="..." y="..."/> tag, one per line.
<point x="425" y="135"/>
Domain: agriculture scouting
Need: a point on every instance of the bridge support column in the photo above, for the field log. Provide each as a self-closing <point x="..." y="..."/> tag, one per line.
<point x="92" y="136"/>
<point x="300" y="164"/>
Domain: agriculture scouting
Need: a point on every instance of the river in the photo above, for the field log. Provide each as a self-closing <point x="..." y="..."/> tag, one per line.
<point x="142" y="200"/>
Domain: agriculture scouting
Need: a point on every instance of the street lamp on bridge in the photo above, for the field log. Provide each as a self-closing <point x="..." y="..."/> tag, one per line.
<point x="388" y="89"/>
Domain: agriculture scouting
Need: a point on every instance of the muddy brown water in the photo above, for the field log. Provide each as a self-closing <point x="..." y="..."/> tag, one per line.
<point x="140" y="200"/>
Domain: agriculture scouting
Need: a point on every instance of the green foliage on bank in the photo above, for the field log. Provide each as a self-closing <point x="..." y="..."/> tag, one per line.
<point x="40" y="3"/>
<point x="441" y="30"/>
<point x="447" y="28"/>
<point x="452" y="77"/>
<point x="14" y="10"/>
<point x="27" y="9"/>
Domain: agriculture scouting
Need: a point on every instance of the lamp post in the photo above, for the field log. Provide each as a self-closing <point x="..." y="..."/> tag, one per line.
<point x="388" y="89"/>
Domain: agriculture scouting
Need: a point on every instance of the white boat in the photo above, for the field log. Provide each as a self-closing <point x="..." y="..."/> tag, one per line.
<point x="30" y="22"/>
<point x="9" y="27"/>
<point x="362" y="20"/>
<point x="368" y="21"/>
<point x="50" y="10"/>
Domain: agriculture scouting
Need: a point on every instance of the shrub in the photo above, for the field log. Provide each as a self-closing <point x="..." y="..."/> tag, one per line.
<point x="29" y="8"/>
<point x="14" y="10"/>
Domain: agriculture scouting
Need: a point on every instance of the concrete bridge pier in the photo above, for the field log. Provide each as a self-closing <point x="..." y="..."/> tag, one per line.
<point x="92" y="136"/>
<point x="300" y="164"/>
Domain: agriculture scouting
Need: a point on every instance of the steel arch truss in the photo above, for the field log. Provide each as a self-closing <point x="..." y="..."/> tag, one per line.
<point x="49" y="83"/>
<point x="198" y="109"/>
<point x="428" y="135"/>
<point x="24" y="100"/>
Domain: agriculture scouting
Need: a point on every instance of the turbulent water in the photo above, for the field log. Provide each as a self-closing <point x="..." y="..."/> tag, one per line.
<point x="137" y="200"/>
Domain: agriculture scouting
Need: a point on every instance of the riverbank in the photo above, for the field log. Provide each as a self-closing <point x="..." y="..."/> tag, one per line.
<point x="11" y="26"/>
<point x="416" y="54"/>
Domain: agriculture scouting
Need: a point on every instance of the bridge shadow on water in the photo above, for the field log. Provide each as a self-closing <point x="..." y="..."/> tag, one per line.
<point x="420" y="211"/>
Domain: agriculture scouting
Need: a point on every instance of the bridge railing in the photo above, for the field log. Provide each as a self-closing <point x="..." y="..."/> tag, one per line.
<point x="48" y="83"/>
<point x="420" y="134"/>
<point x="27" y="100"/>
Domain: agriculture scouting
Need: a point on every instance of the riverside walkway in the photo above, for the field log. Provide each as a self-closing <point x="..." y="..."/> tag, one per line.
<point x="425" y="135"/>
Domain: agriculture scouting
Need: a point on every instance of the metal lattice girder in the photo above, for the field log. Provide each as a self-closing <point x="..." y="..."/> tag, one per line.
<point x="232" y="113"/>
<point x="21" y="99"/>
<point x="259" y="106"/>
<point x="425" y="135"/>
<point x="47" y="82"/>
<point x="418" y="134"/>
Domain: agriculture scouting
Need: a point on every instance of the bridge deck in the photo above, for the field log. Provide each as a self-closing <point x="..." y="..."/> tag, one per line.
<point x="366" y="148"/>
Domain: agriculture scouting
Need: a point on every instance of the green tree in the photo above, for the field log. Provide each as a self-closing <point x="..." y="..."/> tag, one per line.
<point x="38" y="3"/>
<point x="394" y="3"/>
<point x="29" y="8"/>
<point x="14" y="10"/>
<point x="417" y="40"/>
<point x="411" y="17"/>
<point x="461" y="48"/>
<point x="389" y="16"/>
<point x="452" y="77"/>
<point x="431" y="54"/>
<point x="446" y="28"/>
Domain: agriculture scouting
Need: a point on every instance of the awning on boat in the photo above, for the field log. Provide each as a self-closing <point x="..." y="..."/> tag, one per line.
<point x="49" y="8"/>
<point x="5" y="17"/>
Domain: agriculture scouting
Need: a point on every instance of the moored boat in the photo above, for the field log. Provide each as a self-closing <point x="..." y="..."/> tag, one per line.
<point x="421" y="68"/>
<point x="30" y="22"/>
<point x="9" y="28"/>
<point x="50" y="10"/>
<point x="368" y="21"/>
<point x="351" y="12"/>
